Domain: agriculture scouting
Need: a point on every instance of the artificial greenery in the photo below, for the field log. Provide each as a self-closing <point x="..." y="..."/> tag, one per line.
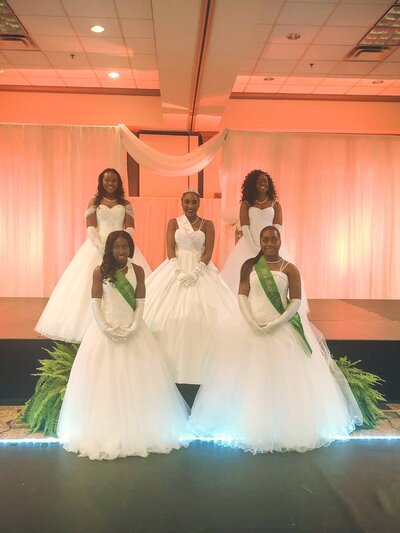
<point x="41" y="412"/>
<point x="363" y="385"/>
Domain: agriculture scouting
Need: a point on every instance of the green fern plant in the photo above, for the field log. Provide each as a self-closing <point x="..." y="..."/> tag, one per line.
<point x="363" y="385"/>
<point x="42" y="410"/>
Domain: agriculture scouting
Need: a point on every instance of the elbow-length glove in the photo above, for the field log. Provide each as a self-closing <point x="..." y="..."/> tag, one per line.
<point x="244" y="306"/>
<point x="255" y="248"/>
<point x="100" y="318"/>
<point x="94" y="236"/>
<point x="123" y="334"/>
<point x="290" y="311"/>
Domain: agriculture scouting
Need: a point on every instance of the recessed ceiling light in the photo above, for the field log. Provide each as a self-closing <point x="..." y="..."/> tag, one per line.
<point x="1" y="71"/>
<point x="377" y="82"/>
<point x="269" y="78"/>
<point x="113" y="75"/>
<point x="293" y="36"/>
<point x="97" y="29"/>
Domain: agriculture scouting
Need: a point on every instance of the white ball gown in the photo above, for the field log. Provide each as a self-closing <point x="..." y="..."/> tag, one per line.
<point x="184" y="320"/>
<point x="67" y="314"/>
<point x="263" y="393"/>
<point x="120" y="398"/>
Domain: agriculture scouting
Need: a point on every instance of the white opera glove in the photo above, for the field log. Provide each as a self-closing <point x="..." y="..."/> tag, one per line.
<point x="249" y="239"/>
<point x="95" y="238"/>
<point x="100" y="318"/>
<point x="244" y="305"/>
<point x="194" y="275"/>
<point x="130" y="230"/>
<point x="179" y="274"/>
<point x="290" y="311"/>
<point x="278" y="227"/>
<point x="123" y="334"/>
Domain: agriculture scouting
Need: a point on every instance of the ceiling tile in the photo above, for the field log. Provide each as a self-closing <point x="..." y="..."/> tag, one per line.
<point x="261" y="33"/>
<point x="270" y="12"/>
<point x="247" y="65"/>
<point x="141" y="46"/>
<point x="134" y="9"/>
<point x="297" y="89"/>
<point x="36" y="7"/>
<point x="318" y="51"/>
<point x="11" y="77"/>
<point x="47" y="82"/>
<point x="281" y="66"/>
<point x="30" y="73"/>
<point x="120" y="83"/>
<point x="340" y="36"/>
<point x="253" y="50"/>
<point x="284" y="51"/>
<point x="23" y="58"/>
<point x="391" y="91"/>
<point x="374" y="90"/>
<point x="302" y="80"/>
<point x="386" y="69"/>
<point x="305" y="66"/>
<point x="137" y="28"/>
<point x="3" y="61"/>
<point x="353" y="67"/>
<point x="258" y="88"/>
<point x="356" y="14"/>
<point x="326" y="89"/>
<point x="108" y="60"/>
<point x="280" y="32"/>
<point x="90" y="8"/>
<point x="68" y="74"/>
<point x="370" y="82"/>
<point x="238" y="87"/>
<point x="146" y="74"/>
<point x="260" y="80"/>
<point x="52" y="43"/>
<point x="343" y="82"/>
<point x="103" y="45"/>
<point x="64" y="59"/>
<point x="144" y="61"/>
<point x="82" y="26"/>
<point x="387" y="3"/>
<point x="305" y="13"/>
<point x="36" y="25"/>
<point x="81" y="82"/>
<point x="124" y="73"/>
<point x="147" y="84"/>
<point x="395" y="56"/>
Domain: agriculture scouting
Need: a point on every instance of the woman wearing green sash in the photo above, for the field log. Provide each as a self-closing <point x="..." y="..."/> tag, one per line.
<point x="270" y="387"/>
<point x="120" y="399"/>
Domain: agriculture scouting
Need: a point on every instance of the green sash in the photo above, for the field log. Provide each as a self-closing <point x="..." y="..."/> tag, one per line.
<point x="271" y="291"/>
<point x="125" y="288"/>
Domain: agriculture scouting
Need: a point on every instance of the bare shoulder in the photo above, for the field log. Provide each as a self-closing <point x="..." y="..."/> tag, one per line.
<point x="126" y="202"/>
<point x="208" y="224"/>
<point x="291" y="269"/>
<point x="97" y="274"/>
<point x="91" y="202"/>
<point x="244" y="205"/>
<point x="172" y="223"/>
<point x="246" y="268"/>
<point x="138" y="271"/>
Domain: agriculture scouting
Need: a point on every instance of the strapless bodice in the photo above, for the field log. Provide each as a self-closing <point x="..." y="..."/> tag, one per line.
<point x="261" y="308"/>
<point x="193" y="242"/>
<point x="109" y="219"/>
<point x="259" y="219"/>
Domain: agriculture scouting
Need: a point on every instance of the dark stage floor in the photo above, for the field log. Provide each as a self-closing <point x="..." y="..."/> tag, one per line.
<point x="349" y="487"/>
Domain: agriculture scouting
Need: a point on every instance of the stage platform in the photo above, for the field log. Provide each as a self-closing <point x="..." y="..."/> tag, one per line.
<point x="360" y="329"/>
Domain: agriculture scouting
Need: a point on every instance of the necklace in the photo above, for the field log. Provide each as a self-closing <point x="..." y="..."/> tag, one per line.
<point x="108" y="199"/>
<point x="122" y="269"/>
<point x="194" y="221"/>
<point x="272" y="262"/>
<point x="263" y="202"/>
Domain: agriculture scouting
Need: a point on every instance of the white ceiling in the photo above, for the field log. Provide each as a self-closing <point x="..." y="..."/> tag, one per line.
<point x="197" y="52"/>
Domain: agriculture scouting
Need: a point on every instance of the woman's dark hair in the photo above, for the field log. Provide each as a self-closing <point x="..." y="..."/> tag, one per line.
<point x="100" y="189"/>
<point x="248" y="265"/>
<point x="249" y="187"/>
<point x="109" y="265"/>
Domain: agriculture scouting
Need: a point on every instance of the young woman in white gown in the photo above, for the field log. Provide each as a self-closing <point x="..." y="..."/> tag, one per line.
<point x="186" y="296"/>
<point x="259" y="208"/>
<point x="67" y="313"/>
<point x="270" y="387"/>
<point x="120" y="398"/>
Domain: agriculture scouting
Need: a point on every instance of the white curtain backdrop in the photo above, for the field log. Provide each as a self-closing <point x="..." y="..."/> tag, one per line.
<point x="340" y="196"/>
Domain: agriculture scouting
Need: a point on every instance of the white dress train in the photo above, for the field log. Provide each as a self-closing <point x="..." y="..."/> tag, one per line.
<point x="68" y="313"/>
<point x="184" y="320"/>
<point x="262" y="393"/>
<point x="120" y="399"/>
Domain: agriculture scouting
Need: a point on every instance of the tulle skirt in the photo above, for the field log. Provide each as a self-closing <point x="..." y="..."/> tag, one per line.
<point x="185" y="320"/>
<point x="262" y="393"/>
<point x="120" y="399"/>
<point x="68" y="313"/>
